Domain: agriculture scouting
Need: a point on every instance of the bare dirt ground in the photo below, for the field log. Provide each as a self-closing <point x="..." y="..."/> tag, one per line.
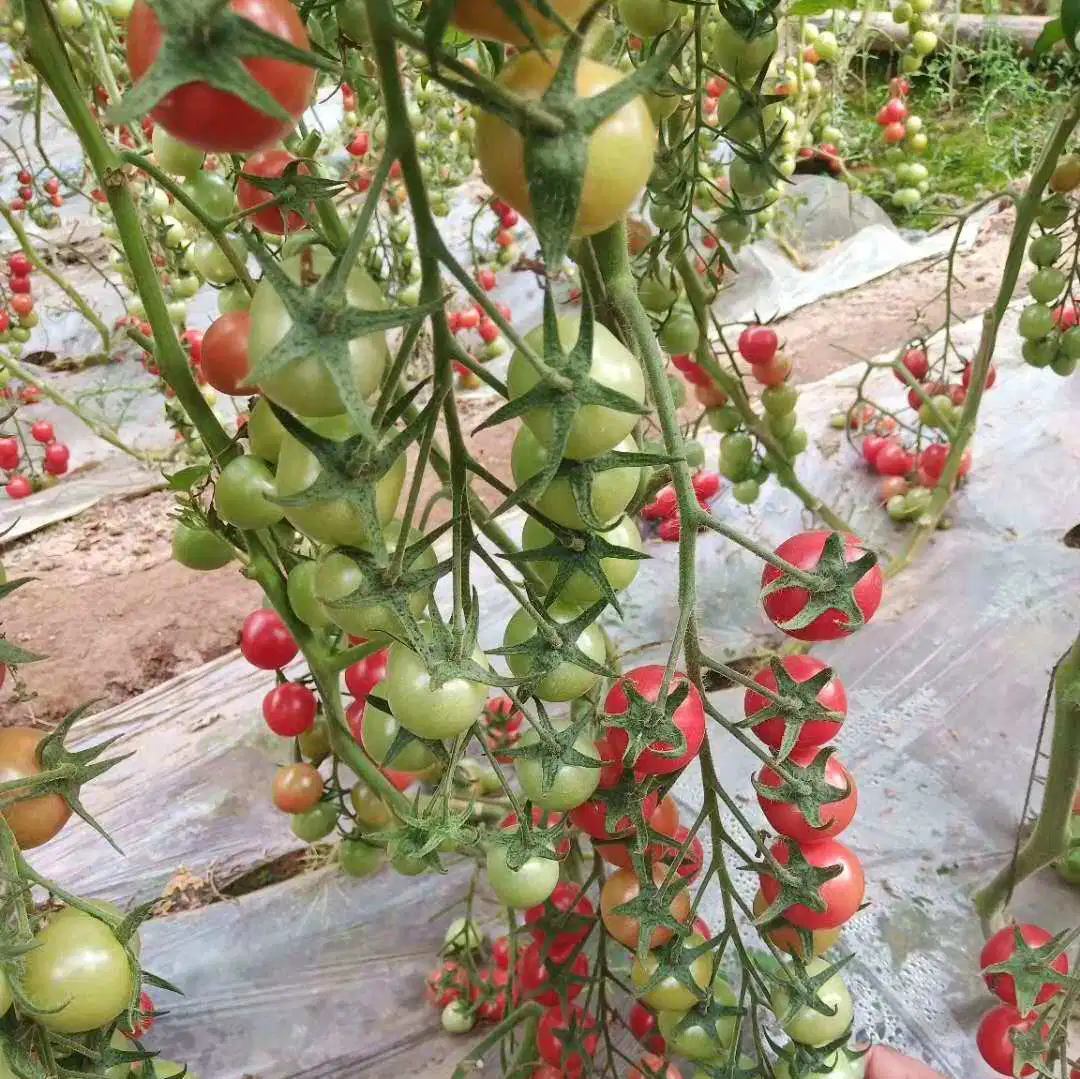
<point x="116" y="615"/>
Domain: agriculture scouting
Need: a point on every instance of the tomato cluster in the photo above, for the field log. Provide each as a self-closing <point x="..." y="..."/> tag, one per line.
<point x="902" y="130"/>
<point x="33" y="196"/>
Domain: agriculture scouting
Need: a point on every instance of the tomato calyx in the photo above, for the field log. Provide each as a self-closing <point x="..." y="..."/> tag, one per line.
<point x="523" y="843"/>
<point x="203" y="41"/>
<point x="801" y="989"/>
<point x="674" y="960"/>
<point x="1029" y="968"/>
<point x="797" y="881"/>
<point x="651" y="909"/>
<point x="829" y="587"/>
<point x="650" y="724"/>
<point x="620" y="810"/>
<point x="293" y="191"/>
<point x="796" y="703"/>
<point x="805" y="786"/>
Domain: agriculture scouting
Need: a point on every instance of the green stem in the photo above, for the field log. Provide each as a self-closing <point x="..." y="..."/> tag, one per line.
<point x="1027" y="209"/>
<point x="58" y="280"/>
<point x="1050" y="837"/>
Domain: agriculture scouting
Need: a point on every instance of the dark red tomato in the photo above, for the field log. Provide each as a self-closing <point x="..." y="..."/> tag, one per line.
<point x="366" y="673"/>
<point x="893" y="460"/>
<point x="758" y="344"/>
<point x="917" y="363"/>
<point x="843" y="894"/>
<point x="535" y="975"/>
<point x="541" y="819"/>
<point x="224" y="353"/>
<point x="789" y="820"/>
<point x="932" y="460"/>
<point x="706" y="485"/>
<point x="265" y="641"/>
<point x="643" y="1027"/>
<point x="567" y="913"/>
<point x="268" y="164"/>
<point x="591" y="817"/>
<point x="555" y="1029"/>
<point x="212" y="119"/>
<point x="19" y="285"/>
<point x="689" y="718"/>
<point x="969" y="370"/>
<point x="1001" y="947"/>
<point x="289" y="709"/>
<point x="871" y="446"/>
<point x="994" y="1038"/>
<point x="770" y="729"/>
<point x="804" y="551"/>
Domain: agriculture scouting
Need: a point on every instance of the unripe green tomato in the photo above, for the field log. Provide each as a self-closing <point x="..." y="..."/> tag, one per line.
<point x="1070" y="342"/>
<point x="924" y="42"/>
<point x="736" y="450"/>
<point x="746" y="491"/>
<point x="1045" y="250"/>
<point x="404" y="863"/>
<point x="178" y="313"/>
<point x="748" y="181"/>
<point x="648" y="18"/>
<point x="672" y="993"/>
<point x="832" y="134"/>
<point x="666" y="216"/>
<point x="781" y="424"/>
<point x="938" y="412"/>
<point x="918" y="174"/>
<point x="902" y="12"/>
<point x="1053" y="212"/>
<point x="232" y="298"/>
<point x="265" y="431"/>
<point x="913" y="125"/>
<point x="894" y="155"/>
<point x="779" y="400"/>
<point x="317" y="823"/>
<point x="159" y="202"/>
<point x="680" y="333"/>
<point x="918" y="142"/>
<point x="185" y="285"/>
<point x="724" y="419"/>
<point x="315" y="741"/>
<point x="1036" y="321"/>
<point x="242" y="491"/>
<point x="796" y="442"/>
<point x="734" y="231"/>
<point x="907" y="197"/>
<point x="567" y="681"/>
<point x="828" y="48"/>
<point x="462" y="936"/>
<point x="175" y="156"/>
<point x="917" y="501"/>
<point x="357" y="858"/>
<point x="69" y="15"/>
<point x="910" y="63"/>
<point x="694" y="452"/>
<point x="212" y="263"/>
<point x="300" y="587"/>
<point x="1047" y="284"/>
<point x="656" y="294"/>
<point x="200" y="549"/>
<point x="1063" y="364"/>
<point x="896" y="508"/>
<point x="457" y="1018"/>
<point x="1040" y="353"/>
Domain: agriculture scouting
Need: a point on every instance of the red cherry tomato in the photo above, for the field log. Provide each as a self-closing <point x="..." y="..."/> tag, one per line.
<point x="270" y="165"/>
<point x="560" y="1025"/>
<point x="969" y="370"/>
<point x="804" y="551"/>
<point x="9" y="453"/>
<point x="689" y="719"/>
<point x="893" y="460"/>
<point x="758" y="344"/>
<point x="994" y="1038"/>
<point x="895" y="133"/>
<point x="22" y="305"/>
<point x="536" y="974"/>
<point x="842" y="895"/>
<point x="20" y="284"/>
<point x="223" y="356"/>
<point x="788" y="820"/>
<point x="448" y="982"/>
<point x="214" y="120"/>
<point x="56" y="458"/>
<point x="360" y="144"/>
<point x="289" y="709"/>
<point x="644" y="1027"/>
<point x="1001" y="947"/>
<point x="364" y="674"/>
<point x="770" y="728"/>
<point x="932" y="461"/>
<point x="18" y="487"/>
<point x="503" y="714"/>
<point x="567" y="913"/>
<point x="871" y="447"/>
<point x="265" y="641"/>
<point x="19" y="264"/>
<point x="917" y="363"/>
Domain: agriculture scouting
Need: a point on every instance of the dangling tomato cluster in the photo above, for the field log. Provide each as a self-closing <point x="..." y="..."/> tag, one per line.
<point x="472" y="323"/>
<point x="20" y="303"/>
<point x="901" y="130"/>
<point x="663" y="511"/>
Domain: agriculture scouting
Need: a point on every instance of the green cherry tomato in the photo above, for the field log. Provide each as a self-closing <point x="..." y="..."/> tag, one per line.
<point x="232" y="298"/>
<point x="1036" y="321"/>
<point x="1063" y="364"/>
<point x="573" y="784"/>
<point x="838" y="1067"/>
<point x="317" y="823"/>
<point x="5" y="994"/>
<point x="749" y="181"/>
<point x="579" y="588"/>
<point x="701" y="1037"/>
<point x="917" y="501"/>
<point x="80" y="969"/>
<point x="265" y="432"/>
<point x="694" y="452"/>
<point x="426" y="706"/>
<point x="783" y="424"/>
<point x="725" y="420"/>
<point x="738" y="57"/>
<point x="647" y="18"/>
<point x="680" y="333"/>
<point x="457" y="1017"/>
<point x="808" y="1026"/>
<point x="305" y="386"/>
<point x="746" y="492"/>
<point x="1041" y="353"/>
<point x="521" y="888"/>
<point x="339" y="575"/>
<point x="609" y="491"/>
<point x="462" y="936"/>
<point x="404" y="863"/>
<point x="658" y="294"/>
<point x="209" y="191"/>
<point x="315" y="741"/>
<point x="301" y="590"/>
<point x="199" y="548"/>
<point x="671" y="994"/>
<point x="567" y="681"/>
<point x="1070" y="342"/>
<point x="242" y="491"/>
<point x="371" y="811"/>
<point x="335" y="522"/>
<point x="1045" y="250"/>
<point x="212" y="263"/>
<point x="175" y="156"/>
<point x="795" y="442"/>
<point x="595" y="429"/>
<point x="1047" y="284"/>
<point x="779" y="400"/>
<point x="378" y="731"/>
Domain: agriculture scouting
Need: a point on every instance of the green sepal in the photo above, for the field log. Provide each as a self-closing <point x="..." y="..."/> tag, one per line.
<point x="405" y="738"/>
<point x="554" y="749"/>
<point x="1030" y="967"/>
<point x="805" y="788"/>
<point x="648" y="722"/>
<point x="799" y="881"/>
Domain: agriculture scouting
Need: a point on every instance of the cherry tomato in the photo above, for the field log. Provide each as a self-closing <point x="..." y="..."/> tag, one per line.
<point x="994" y="1038"/>
<point x="804" y="551"/>
<point x="917" y="363"/>
<point x="567" y="913"/>
<point x="175" y="156"/>
<point x="215" y="120"/>
<point x="788" y="820"/>
<point x="573" y="784"/>
<point x="242" y="494"/>
<point x="289" y="709"/>
<point x="79" y="971"/>
<point x="9" y="453"/>
<point x="199" y="548"/>
<point x="42" y="431"/>
<point x="18" y="487"/>
<point x="297" y="787"/>
<point x="55" y="459"/>
<point x="265" y="641"/>
<point x="365" y="673"/>
<point x="773" y="373"/>
<point x="224" y="353"/>
<point x="19" y="264"/>
<point x="664" y="820"/>
<point x="620" y="150"/>
<point x="643" y="1027"/>
<point x="770" y="727"/>
<point x="525" y="886"/>
<point x="842" y="895"/>
<point x="788" y="939"/>
<point x="591" y="817"/>
<point x="652" y="1066"/>
<point x="558" y="1026"/>
<point x="535" y="974"/>
<point x="446" y="983"/>
<point x="807" y="1025"/>
<point x="673" y="993"/>
<point x="566" y="681"/>
<point x="33" y="821"/>
<point x="357" y="858"/>
<point x="594" y="429"/>
<point x="270" y="165"/>
<point x="689" y="719"/>
<point x="893" y="460"/>
<point x="623" y="886"/>
<point x="1001" y="947"/>
<point x="758" y="344"/>
<point x="478" y="18"/>
<point x="541" y="818"/>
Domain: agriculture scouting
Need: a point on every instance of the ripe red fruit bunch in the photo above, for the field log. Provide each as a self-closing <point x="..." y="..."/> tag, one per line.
<point x="19" y="270"/>
<point x="806" y="794"/>
<point x="663" y="511"/>
<point x="1019" y="964"/>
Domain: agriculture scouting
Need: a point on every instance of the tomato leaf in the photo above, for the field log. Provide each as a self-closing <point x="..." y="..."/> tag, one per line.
<point x="187" y="478"/>
<point x="1052" y="33"/>
<point x="805" y="8"/>
<point x="11" y="655"/>
<point x="11" y="586"/>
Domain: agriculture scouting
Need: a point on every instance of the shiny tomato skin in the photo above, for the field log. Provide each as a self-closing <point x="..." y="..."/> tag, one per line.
<point x="893" y="460"/>
<point x="788" y="820"/>
<point x="804" y="552"/>
<point x="269" y="165"/>
<point x="535" y="974"/>
<point x="265" y="641"/>
<point x="224" y="361"/>
<point x="758" y="344"/>
<point x="289" y="709"/>
<point x="620" y="150"/>
<point x="689" y="718"/>
<point x="623" y="886"/>
<point x="1001" y="947"/>
<point x="790" y="940"/>
<point x="843" y="894"/>
<point x="770" y="729"/>
<point x="33" y="821"/>
<point x="591" y="817"/>
<point x="994" y="1042"/>
<point x="664" y="819"/>
<point x="566" y="899"/>
<point x="214" y="120"/>
<point x="297" y="787"/>
<point x="362" y="676"/>
<point x="552" y="1049"/>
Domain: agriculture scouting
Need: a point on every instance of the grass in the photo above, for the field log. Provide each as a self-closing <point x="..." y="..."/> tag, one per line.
<point x="983" y="135"/>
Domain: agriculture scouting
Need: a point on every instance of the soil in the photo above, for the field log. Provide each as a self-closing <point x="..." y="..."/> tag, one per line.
<point x="116" y="615"/>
